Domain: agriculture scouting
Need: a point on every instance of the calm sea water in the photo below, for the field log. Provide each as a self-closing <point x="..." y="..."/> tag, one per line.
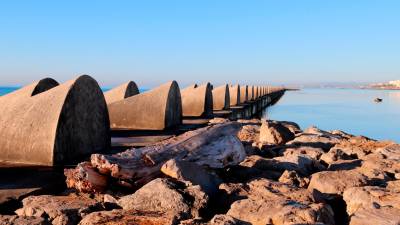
<point x="350" y="110"/>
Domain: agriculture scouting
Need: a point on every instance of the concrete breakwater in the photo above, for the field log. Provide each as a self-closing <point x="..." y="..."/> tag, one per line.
<point x="46" y="123"/>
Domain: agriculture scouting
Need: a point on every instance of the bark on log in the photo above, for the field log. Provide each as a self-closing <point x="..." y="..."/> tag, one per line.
<point x="215" y="147"/>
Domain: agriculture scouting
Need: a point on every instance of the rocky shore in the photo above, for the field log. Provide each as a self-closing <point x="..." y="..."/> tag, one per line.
<point x="244" y="172"/>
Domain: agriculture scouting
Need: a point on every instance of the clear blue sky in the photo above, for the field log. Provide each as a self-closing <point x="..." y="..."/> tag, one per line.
<point x="151" y="42"/>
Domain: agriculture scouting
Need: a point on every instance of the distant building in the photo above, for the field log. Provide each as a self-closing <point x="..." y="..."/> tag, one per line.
<point x="395" y="83"/>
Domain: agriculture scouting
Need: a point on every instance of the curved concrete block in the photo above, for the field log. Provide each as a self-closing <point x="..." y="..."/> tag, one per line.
<point x="121" y="92"/>
<point x="221" y="97"/>
<point x="156" y="109"/>
<point x="234" y="93"/>
<point x="250" y="93"/>
<point x="243" y="93"/>
<point x="56" y="125"/>
<point x="197" y="101"/>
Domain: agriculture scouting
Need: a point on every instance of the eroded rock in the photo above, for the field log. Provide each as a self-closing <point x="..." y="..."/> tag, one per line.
<point x="118" y="216"/>
<point x="274" y="133"/>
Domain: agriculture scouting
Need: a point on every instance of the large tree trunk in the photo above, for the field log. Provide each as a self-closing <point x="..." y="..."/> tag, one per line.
<point x="214" y="147"/>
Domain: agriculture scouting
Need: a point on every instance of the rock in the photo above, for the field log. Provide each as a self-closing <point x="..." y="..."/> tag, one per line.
<point x="267" y="189"/>
<point x="393" y="185"/>
<point x="335" y="182"/>
<point x="192" y="174"/>
<point x="274" y="133"/>
<point x="292" y="178"/>
<point x="381" y="216"/>
<point x="314" y="153"/>
<point x="225" y="220"/>
<point x="279" y="212"/>
<point x="118" y="216"/>
<point x="22" y="220"/>
<point x="165" y="196"/>
<point x="333" y="155"/>
<point x="59" y="209"/>
<point x="345" y="164"/>
<point x="341" y="133"/>
<point x="315" y="140"/>
<point x="319" y="132"/>
<point x="218" y="120"/>
<point x="360" y="146"/>
<point x="293" y="127"/>
<point x="249" y="133"/>
<point x="380" y="165"/>
<point x="370" y="197"/>
<point x="253" y="121"/>
<point x="85" y="178"/>
<point x="109" y="199"/>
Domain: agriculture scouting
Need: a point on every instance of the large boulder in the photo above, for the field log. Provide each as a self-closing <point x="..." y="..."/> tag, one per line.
<point x="118" y="216"/>
<point x="279" y="212"/>
<point x="22" y="220"/>
<point x="374" y="216"/>
<point x="168" y="197"/>
<point x="315" y="140"/>
<point x="335" y="182"/>
<point x="59" y="209"/>
<point x="192" y="174"/>
<point x="370" y="197"/>
<point x="274" y="133"/>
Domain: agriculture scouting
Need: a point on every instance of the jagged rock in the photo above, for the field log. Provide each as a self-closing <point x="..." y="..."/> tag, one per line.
<point x="165" y="196"/>
<point x="22" y="220"/>
<point x="59" y="209"/>
<point x="333" y="155"/>
<point x="192" y="174"/>
<point x="85" y="178"/>
<point x="370" y="197"/>
<point x="314" y="153"/>
<point x="374" y="216"/>
<point x="293" y="127"/>
<point x="249" y="133"/>
<point x="268" y="190"/>
<point x="315" y="140"/>
<point x="279" y="212"/>
<point x="341" y="133"/>
<point x="300" y="163"/>
<point x="335" y="182"/>
<point x="360" y="146"/>
<point x="274" y="133"/>
<point x="345" y="164"/>
<point x="225" y="220"/>
<point x="393" y="185"/>
<point x="319" y="132"/>
<point x="292" y="178"/>
<point x="117" y="217"/>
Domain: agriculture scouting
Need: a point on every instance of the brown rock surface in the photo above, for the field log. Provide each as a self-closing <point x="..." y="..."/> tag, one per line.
<point x="59" y="209"/>
<point x="22" y="220"/>
<point x="274" y="133"/>
<point x="165" y="196"/>
<point x="375" y="216"/>
<point x="335" y="182"/>
<point x="119" y="217"/>
<point x="370" y="197"/>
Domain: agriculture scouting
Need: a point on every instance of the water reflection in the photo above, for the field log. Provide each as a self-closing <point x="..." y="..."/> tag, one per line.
<point x="353" y="111"/>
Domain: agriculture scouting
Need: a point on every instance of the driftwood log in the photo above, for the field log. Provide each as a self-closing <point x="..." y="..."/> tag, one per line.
<point x="213" y="147"/>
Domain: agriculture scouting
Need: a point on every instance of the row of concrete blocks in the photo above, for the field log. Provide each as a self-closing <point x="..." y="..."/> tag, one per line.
<point x="47" y="123"/>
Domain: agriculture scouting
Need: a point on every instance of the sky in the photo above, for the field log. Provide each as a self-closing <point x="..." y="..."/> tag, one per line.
<point x="221" y="41"/>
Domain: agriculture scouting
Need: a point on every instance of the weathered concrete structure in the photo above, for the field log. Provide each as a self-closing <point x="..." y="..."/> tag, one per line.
<point x="234" y="93"/>
<point x="221" y="97"/>
<point x="197" y="101"/>
<point x="250" y="92"/>
<point x="121" y="92"/>
<point x="49" y="124"/>
<point x="156" y="109"/>
<point x="243" y="93"/>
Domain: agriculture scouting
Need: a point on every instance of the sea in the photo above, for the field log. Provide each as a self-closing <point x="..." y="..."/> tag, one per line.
<point x="350" y="110"/>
